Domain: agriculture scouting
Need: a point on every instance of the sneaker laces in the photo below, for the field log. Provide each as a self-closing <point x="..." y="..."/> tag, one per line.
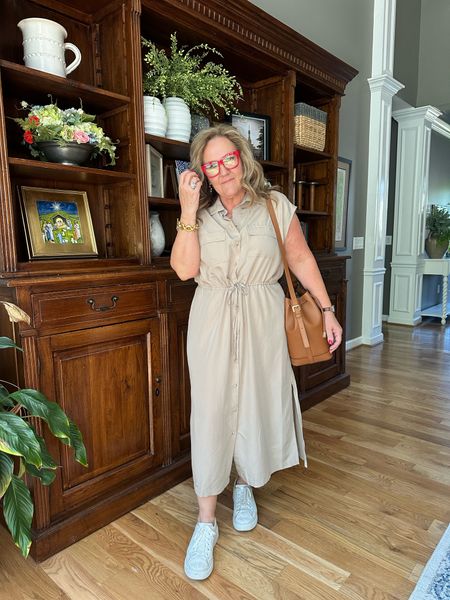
<point x="244" y="497"/>
<point x="202" y="536"/>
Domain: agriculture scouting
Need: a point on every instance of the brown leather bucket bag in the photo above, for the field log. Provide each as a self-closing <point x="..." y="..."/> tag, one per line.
<point x="303" y="317"/>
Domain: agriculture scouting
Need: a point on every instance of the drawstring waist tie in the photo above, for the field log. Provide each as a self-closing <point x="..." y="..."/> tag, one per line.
<point x="234" y="293"/>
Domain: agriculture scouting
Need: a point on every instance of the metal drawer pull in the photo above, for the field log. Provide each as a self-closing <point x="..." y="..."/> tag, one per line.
<point x="91" y="303"/>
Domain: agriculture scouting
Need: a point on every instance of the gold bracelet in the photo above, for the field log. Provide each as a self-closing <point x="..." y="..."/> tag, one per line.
<point x="183" y="227"/>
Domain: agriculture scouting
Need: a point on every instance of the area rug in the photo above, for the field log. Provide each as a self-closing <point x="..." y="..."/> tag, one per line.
<point x="434" y="581"/>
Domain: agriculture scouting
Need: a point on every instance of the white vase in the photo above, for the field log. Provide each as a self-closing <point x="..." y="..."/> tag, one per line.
<point x="178" y="119"/>
<point x="157" y="237"/>
<point x="44" y="47"/>
<point x="155" y="118"/>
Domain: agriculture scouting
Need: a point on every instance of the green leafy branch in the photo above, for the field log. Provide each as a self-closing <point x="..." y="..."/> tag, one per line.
<point x="204" y="86"/>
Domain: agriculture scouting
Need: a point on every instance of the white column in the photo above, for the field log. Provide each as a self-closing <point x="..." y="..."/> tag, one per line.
<point x="411" y="199"/>
<point x="382" y="88"/>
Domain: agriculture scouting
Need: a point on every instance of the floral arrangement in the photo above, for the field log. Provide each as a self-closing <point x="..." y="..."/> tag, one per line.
<point x="50" y="123"/>
<point x="204" y="87"/>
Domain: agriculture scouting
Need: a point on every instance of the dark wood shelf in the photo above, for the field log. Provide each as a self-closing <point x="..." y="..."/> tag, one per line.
<point x="169" y="148"/>
<point x="22" y="167"/>
<point x="163" y="202"/>
<point x="312" y="213"/>
<point x="304" y="154"/>
<point x="269" y="165"/>
<point x="33" y="85"/>
<point x="313" y="182"/>
<point x="161" y="261"/>
<point x="69" y="265"/>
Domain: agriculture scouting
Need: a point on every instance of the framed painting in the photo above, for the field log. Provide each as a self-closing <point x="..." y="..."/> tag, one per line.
<point x="342" y="187"/>
<point x="155" y="173"/>
<point x="256" y="130"/>
<point x="57" y="223"/>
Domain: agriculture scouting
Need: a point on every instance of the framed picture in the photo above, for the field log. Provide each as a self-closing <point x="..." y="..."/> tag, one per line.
<point x="256" y="129"/>
<point x="155" y="173"/>
<point x="342" y="187"/>
<point x="57" y="223"/>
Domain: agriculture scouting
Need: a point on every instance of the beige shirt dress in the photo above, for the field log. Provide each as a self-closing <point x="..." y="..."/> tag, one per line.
<point x="244" y="397"/>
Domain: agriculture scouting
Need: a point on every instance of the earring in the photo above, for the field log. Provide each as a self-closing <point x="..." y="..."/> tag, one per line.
<point x="210" y="189"/>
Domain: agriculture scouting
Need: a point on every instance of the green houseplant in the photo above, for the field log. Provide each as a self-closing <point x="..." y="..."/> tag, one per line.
<point x="438" y="225"/>
<point x="184" y="73"/>
<point x="22" y="451"/>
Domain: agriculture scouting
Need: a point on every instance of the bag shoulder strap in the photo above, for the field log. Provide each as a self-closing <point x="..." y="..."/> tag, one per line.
<point x="282" y="250"/>
<point x="292" y="293"/>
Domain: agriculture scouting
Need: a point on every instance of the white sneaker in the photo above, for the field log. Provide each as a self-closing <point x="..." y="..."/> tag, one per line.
<point x="199" y="561"/>
<point x="245" y="513"/>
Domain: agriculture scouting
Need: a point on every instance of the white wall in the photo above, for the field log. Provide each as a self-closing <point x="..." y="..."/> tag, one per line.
<point x="344" y="28"/>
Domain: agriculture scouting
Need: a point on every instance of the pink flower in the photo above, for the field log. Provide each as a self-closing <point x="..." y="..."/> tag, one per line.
<point x="80" y="137"/>
<point x="28" y="137"/>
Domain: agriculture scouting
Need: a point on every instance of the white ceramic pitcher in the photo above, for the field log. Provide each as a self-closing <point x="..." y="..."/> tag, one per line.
<point x="44" y="47"/>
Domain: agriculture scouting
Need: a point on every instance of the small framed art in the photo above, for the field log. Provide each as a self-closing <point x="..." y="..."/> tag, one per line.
<point x="256" y="130"/>
<point x="57" y="223"/>
<point x="342" y="187"/>
<point x="155" y="173"/>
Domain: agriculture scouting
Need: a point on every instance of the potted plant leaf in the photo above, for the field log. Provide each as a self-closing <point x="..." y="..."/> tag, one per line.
<point x="23" y="453"/>
<point x="438" y="225"/>
<point x="187" y="82"/>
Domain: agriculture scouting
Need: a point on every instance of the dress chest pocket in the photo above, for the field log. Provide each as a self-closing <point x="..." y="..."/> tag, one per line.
<point x="262" y="240"/>
<point x="213" y="248"/>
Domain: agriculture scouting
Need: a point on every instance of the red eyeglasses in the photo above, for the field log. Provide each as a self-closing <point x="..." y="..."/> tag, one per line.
<point x="229" y="161"/>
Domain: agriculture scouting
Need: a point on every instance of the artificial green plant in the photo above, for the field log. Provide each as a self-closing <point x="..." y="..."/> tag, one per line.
<point x="204" y="86"/>
<point x="438" y="224"/>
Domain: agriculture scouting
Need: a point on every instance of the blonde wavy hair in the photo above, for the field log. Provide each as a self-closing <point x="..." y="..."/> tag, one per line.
<point x="253" y="180"/>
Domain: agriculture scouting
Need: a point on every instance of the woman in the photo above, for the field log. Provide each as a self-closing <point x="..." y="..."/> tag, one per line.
<point x="245" y="405"/>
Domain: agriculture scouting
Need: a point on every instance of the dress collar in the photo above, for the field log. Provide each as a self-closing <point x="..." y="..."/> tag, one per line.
<point x="219" y="207"/>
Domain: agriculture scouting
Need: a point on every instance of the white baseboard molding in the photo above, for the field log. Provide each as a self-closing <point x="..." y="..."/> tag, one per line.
<point x="354" y="343"/>
<point x="373" y="341"/>
<point x="412" y="322"/>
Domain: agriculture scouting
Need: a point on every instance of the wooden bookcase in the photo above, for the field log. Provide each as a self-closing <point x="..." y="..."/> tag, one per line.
<point x="120" y="371"/>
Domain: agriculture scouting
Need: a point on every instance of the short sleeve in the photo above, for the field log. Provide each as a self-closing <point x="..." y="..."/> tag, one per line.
<point x="284" y="211"/>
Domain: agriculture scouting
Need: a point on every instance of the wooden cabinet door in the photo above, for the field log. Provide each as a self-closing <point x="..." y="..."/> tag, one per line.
<point x="315" y="376"/>
<point x="179" y="383"/>
<point x="107" y="379"/>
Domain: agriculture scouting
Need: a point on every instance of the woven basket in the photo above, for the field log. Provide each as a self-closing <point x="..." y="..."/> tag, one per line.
<point x="310" y="126"/>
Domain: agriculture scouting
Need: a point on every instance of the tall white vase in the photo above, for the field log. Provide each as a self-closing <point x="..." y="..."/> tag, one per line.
<point x="157" y="237"/>
<point x="155" y="118"/>
<point x="178" y="119"/>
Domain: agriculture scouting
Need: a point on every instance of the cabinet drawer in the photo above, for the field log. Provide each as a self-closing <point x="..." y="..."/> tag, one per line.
<point x="90" y="305"/>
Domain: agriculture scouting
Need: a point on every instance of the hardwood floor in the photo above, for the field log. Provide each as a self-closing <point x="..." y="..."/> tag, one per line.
<point x="359" y="523"/>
